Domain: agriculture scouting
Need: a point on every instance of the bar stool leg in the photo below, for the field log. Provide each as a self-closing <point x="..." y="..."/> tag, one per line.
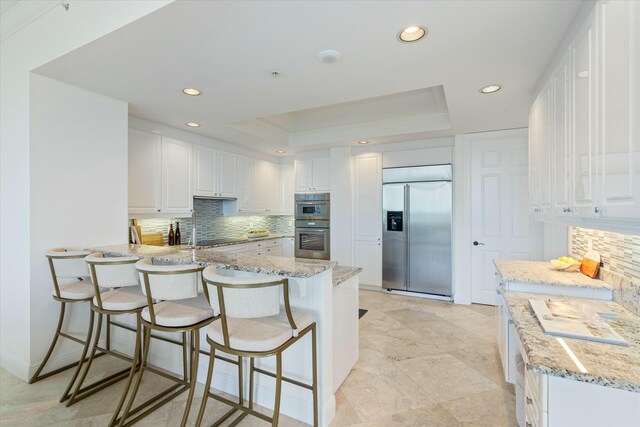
<point x="207" y="385"/>
<point x="251" y="368"/>
<point x="195" y="339"/>
<point x="314" y="355"/>
<point x="35" y="376"/>
<point x="276" y="406"/>
<point x="88" y="364"/>
<point x="65" y="395"/>
<point x="134" y="392"/>
<point x="240" y="381"/>
<point x="137" y="357"/>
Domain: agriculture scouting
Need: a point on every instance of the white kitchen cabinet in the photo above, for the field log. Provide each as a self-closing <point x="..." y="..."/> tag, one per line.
<point x="227" y="174"/>
<point x="584" y="97"/>
<point x="368" y="255"/>
<point x="544" y="149"/>
<point x="312" y="175"/>
<point x="288" y="246"/>
<point x="145" y="182"/>
<point x="177" y="196"/>
<point x="287" y="189"/>
<point x="534" y="165"/>
<point x="273" y="190"/>
<point x="561" y="146"/>
<point x="619" y="24"/>
<point x="246" y="190"/>
<point x="368" y="197"/>
<point x="214" y="173"/>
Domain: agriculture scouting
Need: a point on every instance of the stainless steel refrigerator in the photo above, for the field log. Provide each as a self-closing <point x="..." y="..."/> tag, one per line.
<point x="416" y="229"/>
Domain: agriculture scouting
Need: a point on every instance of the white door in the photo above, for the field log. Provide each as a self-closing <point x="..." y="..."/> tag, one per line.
<point x="561" y="154"/>
<point x="204" y="164"/>
<point x="286" y="189"/>
<point x="288" y="246"/>
<point x="177" y="194"/>
<point x="227" y="164"/>
<point x="367" y="206"/>
<point x="304" y="175"/>
<point x="534" y="164"/>
<point x="500" y="223"/>
<point x="261" y="184"/>
<point x="544" y="149"/>
<point x="144" y="172"/>
<point x="368" y="255"/>
<point x="321" y="180"/>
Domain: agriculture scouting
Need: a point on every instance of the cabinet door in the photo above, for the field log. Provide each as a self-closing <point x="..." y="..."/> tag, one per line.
<point x="262" y="182"/>
<point x="583" y="76"/>
<point x="273" y="193"/>
<point x="227" y="166"/>
<point x="304" y="175"/>
<point x="245" y="184"/>
<point x="620" y="109"/>
<point x="204" y="173"/>
<point x="534" y="167"/>
<point x="144" y="172"/>
<point x="368" y="197"/>
<point x="321" y="180"/>
<point x="177" y="196"/>
<point x="286" y="189"/>
<point x="368" y="255"/>
<point x="561" y="151"/>
<point x="544" y="149"/>
<point x="288" y="246"/>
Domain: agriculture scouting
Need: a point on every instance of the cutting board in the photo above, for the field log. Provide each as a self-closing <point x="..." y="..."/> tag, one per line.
<point x="590" y="264"/>
<point x="574" y="322"/>
<point x="154" y="239"/>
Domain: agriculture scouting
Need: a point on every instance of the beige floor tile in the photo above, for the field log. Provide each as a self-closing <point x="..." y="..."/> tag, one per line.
<point x="490" y="408"/>
<point x="431" y="416"/>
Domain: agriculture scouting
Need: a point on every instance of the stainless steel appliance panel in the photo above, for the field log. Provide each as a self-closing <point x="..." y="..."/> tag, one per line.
<point x="312" y="240"/>
<point x="417" y="174"/>
<point x="312" y="206"/>
<point x="429" y="238"/>
<point x="394" y="250"/>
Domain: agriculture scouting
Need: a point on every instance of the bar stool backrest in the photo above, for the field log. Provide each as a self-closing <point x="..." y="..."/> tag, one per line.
<point x="113" y="272"/>
<point x="168" y="282"/>
<point x="68" y="263"/>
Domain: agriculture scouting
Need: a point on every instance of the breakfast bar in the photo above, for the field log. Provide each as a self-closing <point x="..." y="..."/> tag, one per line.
<point x="313" y="288"/>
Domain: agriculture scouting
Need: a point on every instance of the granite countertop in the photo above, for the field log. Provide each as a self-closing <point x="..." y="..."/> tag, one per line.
<point x="343" y="273"/>
<point x="541" y="272"/>
<point x="208" y="244"/>
<point x="605" y="364"/>
<point x="276" y="265"/>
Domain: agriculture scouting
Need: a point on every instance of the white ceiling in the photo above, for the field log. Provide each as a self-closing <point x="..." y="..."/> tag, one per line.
<point x="382" y="90"/>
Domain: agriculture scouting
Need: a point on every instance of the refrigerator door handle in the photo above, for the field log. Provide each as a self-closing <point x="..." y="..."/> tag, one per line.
<point x="407" y="234"/>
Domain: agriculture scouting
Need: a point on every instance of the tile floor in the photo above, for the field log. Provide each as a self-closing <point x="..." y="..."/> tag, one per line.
<point x="422" y="363"/>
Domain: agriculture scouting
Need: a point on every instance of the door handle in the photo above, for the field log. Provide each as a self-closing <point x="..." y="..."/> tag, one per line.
<point x="476" y="243"/>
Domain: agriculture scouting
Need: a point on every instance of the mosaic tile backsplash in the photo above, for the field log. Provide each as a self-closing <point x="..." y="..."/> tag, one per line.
<point x="620" y="255"/>
<point x="212" y="225"/>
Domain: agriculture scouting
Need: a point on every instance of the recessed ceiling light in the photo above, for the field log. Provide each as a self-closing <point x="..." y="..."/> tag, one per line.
<point x="363" y="142"/>
<point x="490" y="89"/>
<point x="191" y="91"/>
<point x="193" y="124"/>
<point x="329" y="56"/>
<point x="412" y="34"/>
<point x="280" y="151"/>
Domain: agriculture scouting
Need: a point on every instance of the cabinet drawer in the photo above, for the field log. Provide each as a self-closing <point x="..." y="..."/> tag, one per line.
<point x="273" y="242"/>
<point x="535" y="389"/>
<point x="531" y="417"/>
<point x="274" y="251"/>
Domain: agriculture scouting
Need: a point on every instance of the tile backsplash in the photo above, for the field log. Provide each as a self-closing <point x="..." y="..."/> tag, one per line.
<point x="212" y="225"/>
<point x="620" y="254"/>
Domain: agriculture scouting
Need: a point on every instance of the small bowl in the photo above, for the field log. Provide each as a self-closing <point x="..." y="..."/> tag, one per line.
<point x="564" y="266"/>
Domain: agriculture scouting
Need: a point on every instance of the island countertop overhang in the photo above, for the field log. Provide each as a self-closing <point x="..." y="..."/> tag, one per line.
<point x="274" y="265"/>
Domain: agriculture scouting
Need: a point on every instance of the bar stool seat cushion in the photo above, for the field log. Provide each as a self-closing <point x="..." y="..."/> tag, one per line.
<point x="180" y="313"/>
<point x="259" y="334"/>
<point x="122" y="299"/>
<point x="78" y="290"/>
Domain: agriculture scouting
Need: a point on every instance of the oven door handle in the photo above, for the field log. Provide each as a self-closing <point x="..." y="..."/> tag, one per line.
<point x="312" y="230"/>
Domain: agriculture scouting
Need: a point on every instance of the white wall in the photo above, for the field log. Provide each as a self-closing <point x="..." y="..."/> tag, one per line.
<point x="78" y="187"/>
<point x="53" y="34"/>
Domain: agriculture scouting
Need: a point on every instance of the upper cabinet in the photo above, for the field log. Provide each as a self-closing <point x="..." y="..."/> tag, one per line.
<point x="214" y="173"/>
<point x="159" y="178"/>
<point x="177" y="195"/>
<point x="144" y="180"/>
<point x="312" y="175"/>
<point x="287" y="188"/>
<point x="585" y="123"/>
<point x="258" y="186"/>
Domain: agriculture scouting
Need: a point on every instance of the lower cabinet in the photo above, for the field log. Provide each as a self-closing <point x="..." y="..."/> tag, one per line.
<point x="368" y="255"/>
<point x="269" y="247"/>
<point x="288" y="246"/>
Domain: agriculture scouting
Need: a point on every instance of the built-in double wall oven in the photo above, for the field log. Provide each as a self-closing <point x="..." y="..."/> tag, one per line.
<point x="312" y="226"/>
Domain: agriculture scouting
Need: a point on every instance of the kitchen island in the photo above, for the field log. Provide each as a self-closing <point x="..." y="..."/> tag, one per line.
<point x="312" y="288"/>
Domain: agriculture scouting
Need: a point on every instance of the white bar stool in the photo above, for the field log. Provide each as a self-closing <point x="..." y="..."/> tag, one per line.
<point x="71" y="285"/>
<point x="174" y="305"/>
<point x="253" y="324"/>
<point x="124" y="296"/>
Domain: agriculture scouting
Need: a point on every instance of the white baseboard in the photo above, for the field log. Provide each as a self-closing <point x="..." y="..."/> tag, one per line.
<point x="370" y="287"/>
<point x="15" y="366"/>
<point x="419" y="295"/>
